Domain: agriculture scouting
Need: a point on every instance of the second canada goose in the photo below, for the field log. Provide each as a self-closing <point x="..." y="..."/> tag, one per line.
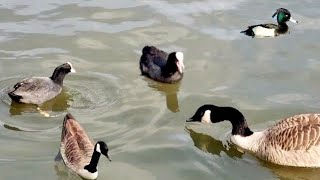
<point x="294" y="141"/>
<point x="77" y="150"/>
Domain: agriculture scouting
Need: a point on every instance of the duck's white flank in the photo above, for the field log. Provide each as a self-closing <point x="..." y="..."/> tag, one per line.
<point x="261" y="31"/>
<point x="206" y="117"/>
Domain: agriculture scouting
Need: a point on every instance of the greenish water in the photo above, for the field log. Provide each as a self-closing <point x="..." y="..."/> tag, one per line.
<point x="144" y="121"/>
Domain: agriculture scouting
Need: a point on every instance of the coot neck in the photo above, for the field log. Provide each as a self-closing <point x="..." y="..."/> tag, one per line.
<point x="169" y="69"/>
<point x="58" y="76"/>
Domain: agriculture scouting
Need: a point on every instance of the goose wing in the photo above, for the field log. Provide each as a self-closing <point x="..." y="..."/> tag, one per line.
<point x="76" y="147"/>
<point x="300" y="132"/>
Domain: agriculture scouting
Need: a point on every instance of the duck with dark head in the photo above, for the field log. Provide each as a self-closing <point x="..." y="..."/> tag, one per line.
<point x="282" y="16"/>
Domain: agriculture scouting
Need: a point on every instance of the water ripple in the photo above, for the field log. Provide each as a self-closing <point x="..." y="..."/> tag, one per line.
<point x="70" y="26"/>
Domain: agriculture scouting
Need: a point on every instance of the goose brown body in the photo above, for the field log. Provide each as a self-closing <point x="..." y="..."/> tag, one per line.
<point x="76" y="147"/>
<point x="293" y="141"/>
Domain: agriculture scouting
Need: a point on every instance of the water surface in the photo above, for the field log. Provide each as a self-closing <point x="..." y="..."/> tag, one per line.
<point x="144" y="121"/>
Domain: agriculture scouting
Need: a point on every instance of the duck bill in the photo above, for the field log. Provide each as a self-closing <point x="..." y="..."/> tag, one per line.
<point x="293" y="20"/>
<point x="180" y="66"/>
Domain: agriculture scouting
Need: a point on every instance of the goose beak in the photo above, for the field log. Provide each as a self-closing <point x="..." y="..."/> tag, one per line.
<point x="108" y="158"/>
<point x="293" y="20"/>
<point x="190" y="120"/>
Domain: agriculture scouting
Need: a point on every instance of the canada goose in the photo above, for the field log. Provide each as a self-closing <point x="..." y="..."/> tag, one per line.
<point x="271" y="30"/>
<point x="294" y="141"/>
<point x="77" y="150"/>
<point x="37" y="90"/>
<point x="159" y="66"/>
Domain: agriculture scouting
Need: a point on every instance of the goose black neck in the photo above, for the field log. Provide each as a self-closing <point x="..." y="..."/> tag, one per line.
<point x="92" y="166"/>
<point x="58" y="76"/>
<point x="238" y="121"/>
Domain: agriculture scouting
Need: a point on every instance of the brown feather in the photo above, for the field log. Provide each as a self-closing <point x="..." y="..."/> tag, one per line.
<point x="76" y="147"/>
<point x="299" y="132"/>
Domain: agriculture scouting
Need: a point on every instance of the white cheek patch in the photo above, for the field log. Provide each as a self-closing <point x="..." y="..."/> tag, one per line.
<point x="206" y="117"/>
<point x="98" y="148"/>
<point x="71" y="70"/>
<point x="180" y="65"/>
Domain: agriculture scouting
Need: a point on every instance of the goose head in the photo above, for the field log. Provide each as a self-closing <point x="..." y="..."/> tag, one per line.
<point x="210" y="113"/>
<point x="102" y="148"/>
<point x="204" y="114"/>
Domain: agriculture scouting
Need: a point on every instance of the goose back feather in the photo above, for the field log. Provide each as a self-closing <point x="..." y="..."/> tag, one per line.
<point x="294" y="141"/>
<point x="76" y="147"/>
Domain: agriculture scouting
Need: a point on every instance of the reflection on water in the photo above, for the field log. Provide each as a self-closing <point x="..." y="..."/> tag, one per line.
<point x="207" y="143"/>
<point x="170" y="90"/>
<point x="57" y="104"/>
<point x="63" y="173"/>
<point x="292" y="173"/>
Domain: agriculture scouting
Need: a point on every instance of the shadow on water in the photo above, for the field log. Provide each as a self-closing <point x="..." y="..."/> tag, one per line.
<point x="207" y="143"/>
<point x="57" y="104"/>
<point x="170" y="90"/>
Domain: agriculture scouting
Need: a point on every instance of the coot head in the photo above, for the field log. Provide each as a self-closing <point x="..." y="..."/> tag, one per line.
<point x="176" y="59"/>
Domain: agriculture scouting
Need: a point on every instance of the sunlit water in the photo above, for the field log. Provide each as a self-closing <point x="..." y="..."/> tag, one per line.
<point x="144" y="121"/>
